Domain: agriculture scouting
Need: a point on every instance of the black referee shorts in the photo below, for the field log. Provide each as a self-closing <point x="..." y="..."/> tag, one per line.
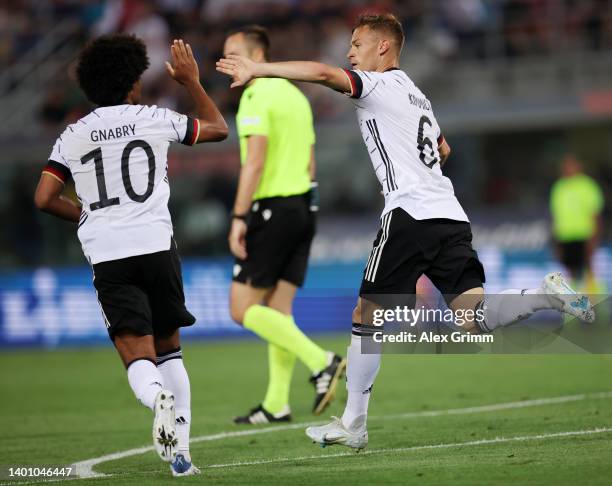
<point x="143" y="293"/>
<point x="406" y="248"/>
<point x="278" y="239"/>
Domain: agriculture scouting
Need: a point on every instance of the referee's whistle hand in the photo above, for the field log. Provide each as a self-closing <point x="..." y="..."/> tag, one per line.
<point x="237" y="239"/>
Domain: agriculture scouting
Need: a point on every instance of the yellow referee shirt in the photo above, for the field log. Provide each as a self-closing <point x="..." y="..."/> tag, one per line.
<point x="278" y="110"/>
<point x="575" y="202"/>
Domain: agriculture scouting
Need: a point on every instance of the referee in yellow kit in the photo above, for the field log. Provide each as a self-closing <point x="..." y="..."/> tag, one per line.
<point x="576" y="204"/>
<point x="273" y="224"/>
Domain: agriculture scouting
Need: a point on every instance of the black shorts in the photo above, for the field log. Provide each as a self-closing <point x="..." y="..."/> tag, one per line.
<point x="573" y="254"/>
<point x="279" y="235"/>
<point x="143" y="293"/>
<point x="406" y="248"/>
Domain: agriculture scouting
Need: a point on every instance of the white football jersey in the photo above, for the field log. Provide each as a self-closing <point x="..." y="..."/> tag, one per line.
<point x="402" y="137"/>
<point x="117" y="156"/>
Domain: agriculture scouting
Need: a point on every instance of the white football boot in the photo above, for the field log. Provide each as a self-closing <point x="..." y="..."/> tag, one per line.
<point x="164" y="432"/>
<point x="335" y="433"/>
<point x="566" y="299"/>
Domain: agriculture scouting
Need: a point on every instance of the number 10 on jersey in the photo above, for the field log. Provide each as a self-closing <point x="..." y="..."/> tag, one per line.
<point x="106" y="201"/>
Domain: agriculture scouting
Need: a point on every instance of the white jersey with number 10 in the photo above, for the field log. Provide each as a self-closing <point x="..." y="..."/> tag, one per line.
<point x="117" y="156"/>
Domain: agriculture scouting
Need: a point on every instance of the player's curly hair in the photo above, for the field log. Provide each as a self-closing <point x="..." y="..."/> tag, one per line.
<point x="109" y="66"/>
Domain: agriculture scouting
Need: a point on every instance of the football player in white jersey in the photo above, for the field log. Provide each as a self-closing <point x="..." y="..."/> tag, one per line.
<point x="424" y="229"/>
<point x="117" y="157"/>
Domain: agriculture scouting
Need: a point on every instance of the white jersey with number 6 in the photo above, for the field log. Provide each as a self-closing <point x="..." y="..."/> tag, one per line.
<point x="402" y="136"/>
<point x="117" y="156"/>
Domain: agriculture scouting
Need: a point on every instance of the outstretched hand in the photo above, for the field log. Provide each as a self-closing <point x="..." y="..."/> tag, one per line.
<point x="241" y="69"/>
<point x="184" y="68"/>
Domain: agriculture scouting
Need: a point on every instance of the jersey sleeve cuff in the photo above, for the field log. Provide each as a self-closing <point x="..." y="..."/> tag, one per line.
<point x="356" y="83"/>
<point x="192" y="133"/>
<point x="57" y="170"/>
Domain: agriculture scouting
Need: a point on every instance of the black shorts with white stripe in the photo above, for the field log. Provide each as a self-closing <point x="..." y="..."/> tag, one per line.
<point x="143" y="294"/>
<point x="406" y="248"/>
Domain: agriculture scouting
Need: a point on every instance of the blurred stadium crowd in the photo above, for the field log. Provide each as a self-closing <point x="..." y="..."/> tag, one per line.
<point x="301" y="29"/>
<point x="482" y="62"/>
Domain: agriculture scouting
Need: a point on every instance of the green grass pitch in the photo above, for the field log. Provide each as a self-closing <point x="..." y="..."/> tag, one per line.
<point x="66" y="406"/>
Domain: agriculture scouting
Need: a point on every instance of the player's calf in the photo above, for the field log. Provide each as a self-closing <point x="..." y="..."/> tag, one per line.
<point x="513" y="305"/>
<point x="145" y="380"/>
<point x="243" y="296"/>
<point x="170" y="365"/>
<point x="147" y="384"/>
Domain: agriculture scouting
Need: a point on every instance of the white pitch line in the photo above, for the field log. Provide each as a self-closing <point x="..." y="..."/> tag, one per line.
<point x="471" y="443"/>
<point x="500" y="406"/>
<point x="84" y="469"/>
<point x="496" y="440"/>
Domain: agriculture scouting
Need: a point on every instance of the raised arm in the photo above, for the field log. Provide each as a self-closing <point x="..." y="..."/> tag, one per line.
<point x="242" y="70"/>
<point x="184" y="70"/>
